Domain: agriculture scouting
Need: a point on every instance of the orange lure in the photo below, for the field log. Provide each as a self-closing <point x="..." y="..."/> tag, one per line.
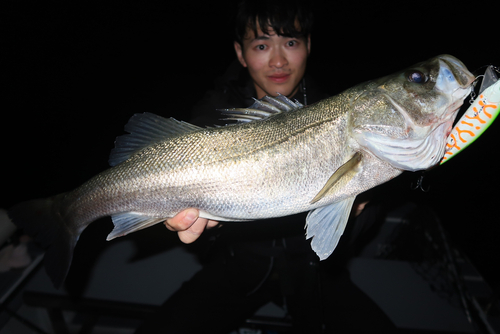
<point x="474" y="122"/>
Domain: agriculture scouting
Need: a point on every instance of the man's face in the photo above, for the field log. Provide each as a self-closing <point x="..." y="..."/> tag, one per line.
<point x="275" y="63"/>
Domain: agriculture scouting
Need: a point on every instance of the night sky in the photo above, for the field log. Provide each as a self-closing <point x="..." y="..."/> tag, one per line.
<point x="72" y="74"/>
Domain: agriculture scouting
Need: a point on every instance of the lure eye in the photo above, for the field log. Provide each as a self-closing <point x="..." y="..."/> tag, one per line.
<point x="417" y="77"/>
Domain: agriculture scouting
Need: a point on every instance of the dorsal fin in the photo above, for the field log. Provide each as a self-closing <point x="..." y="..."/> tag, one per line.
<point x="146" y="129"/>
<point x="262" y="109"/>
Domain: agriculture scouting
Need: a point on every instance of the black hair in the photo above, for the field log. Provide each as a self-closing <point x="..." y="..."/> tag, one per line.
<point x="278" y="15"/>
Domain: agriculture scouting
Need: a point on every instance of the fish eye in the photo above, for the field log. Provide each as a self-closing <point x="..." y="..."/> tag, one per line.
<point x="417" y="77"/>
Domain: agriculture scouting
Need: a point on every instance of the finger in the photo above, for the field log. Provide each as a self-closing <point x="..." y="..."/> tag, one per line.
<point x="182" y="221"/>
<point x="360" y="208"/>
<point x="212" y="223"/>
<point x="191" y="234"/>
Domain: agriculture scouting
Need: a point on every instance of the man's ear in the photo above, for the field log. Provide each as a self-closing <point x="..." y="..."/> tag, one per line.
<point x="239" y="53"/>
<point x="308" y="44"/>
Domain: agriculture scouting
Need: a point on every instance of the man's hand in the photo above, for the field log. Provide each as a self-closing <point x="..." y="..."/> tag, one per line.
<point x="189" y="225"/>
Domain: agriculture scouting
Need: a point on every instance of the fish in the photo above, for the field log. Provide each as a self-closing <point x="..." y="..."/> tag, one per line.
<point x="280" y="158"/>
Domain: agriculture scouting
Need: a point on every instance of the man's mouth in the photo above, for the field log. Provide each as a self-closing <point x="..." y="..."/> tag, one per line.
<point x="279" y="78"/>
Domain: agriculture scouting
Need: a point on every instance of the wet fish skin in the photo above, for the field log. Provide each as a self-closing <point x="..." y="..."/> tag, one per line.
<point x="316" y="158"/>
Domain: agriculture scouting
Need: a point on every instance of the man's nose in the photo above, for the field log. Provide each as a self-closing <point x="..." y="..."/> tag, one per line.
<point x="278" y="59"/>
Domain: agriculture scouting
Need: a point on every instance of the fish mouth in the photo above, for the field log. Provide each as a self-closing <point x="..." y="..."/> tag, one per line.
<point x="459" y="72"/>
<point x="454" y="81"/>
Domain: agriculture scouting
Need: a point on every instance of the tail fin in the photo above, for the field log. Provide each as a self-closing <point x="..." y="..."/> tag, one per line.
<point x="44" y="220"/>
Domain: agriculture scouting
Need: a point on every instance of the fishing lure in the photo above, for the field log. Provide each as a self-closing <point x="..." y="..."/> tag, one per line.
<point x="478" y="117"/>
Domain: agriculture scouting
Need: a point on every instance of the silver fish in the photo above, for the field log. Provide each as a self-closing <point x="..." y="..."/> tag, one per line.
<point x="287" y="159"/>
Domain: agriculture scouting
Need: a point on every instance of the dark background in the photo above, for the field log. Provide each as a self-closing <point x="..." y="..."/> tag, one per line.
<point x="72" y="74"/>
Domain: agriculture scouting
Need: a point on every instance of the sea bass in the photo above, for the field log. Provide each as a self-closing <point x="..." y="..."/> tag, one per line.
<point x="315" y="158"/>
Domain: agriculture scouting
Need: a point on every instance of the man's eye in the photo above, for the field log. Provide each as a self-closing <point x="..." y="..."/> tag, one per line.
<point x="292" y="43"/>
<point x="261" y="47"/>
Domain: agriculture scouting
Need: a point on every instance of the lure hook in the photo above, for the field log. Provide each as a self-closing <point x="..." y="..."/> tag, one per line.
<point x="420" y="185"/>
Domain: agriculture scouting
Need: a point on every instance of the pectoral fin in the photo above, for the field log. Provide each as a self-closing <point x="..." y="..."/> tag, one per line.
<point x="346" y="172"/>
<point x="326" y="225"/>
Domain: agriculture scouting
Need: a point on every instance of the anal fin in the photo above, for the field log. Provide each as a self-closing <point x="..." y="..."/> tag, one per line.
<point x="326" y="225"/>
<point x="129" y="222"/>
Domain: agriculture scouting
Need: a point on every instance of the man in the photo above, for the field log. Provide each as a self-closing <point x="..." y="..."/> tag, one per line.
<point x="257" y="262"/>
<point x="276" y="63"/>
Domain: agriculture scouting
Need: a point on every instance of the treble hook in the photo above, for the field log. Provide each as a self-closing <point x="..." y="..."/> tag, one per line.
<point x="419" y="185"/>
